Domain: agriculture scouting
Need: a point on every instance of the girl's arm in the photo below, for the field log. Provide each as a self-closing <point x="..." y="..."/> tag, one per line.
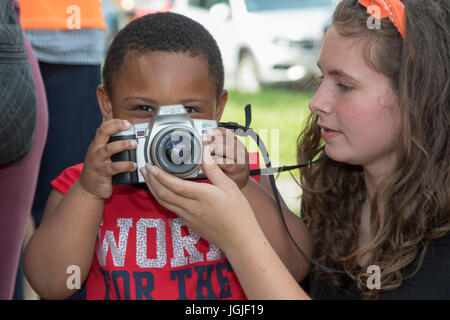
<point x="233" y="159"/>
<point x="221" y="214"/>
<point x="260" y="271"/>
<point x="262" y="201"/>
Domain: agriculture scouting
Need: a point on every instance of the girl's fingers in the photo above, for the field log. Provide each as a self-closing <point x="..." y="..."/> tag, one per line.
<point x="169" y="188"/>
<point x="165" y="204"/>
<point x="185" y="188"/>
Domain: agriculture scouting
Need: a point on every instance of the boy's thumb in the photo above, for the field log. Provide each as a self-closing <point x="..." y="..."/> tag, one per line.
<point x="213" y="171"/>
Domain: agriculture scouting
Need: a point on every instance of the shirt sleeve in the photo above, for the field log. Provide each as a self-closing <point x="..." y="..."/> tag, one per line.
<point x="254" y="163"/>
<point x="67" y="178"/>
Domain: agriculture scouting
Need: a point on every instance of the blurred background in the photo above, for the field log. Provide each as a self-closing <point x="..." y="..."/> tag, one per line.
<point x="263" y="42"/>
<point x="269" y="49"/>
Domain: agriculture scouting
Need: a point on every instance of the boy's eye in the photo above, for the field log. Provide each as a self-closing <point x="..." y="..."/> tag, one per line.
<point x="144" y="108"/>
<point x="190" y="109"/>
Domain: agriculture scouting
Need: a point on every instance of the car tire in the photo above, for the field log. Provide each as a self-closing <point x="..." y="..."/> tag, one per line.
<point x="247" y="78"/>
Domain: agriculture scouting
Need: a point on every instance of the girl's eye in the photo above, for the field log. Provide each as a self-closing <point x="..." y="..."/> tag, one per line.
<point x="344" y="87"/>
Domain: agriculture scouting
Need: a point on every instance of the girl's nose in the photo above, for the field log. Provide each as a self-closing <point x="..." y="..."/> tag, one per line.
<point x="320" y="103"/>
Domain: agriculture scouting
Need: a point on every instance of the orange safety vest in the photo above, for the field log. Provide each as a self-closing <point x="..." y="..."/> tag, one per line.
<point x="61" y="14"/>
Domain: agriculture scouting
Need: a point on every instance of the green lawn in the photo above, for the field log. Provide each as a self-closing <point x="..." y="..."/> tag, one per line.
<point x="277" y="116"/>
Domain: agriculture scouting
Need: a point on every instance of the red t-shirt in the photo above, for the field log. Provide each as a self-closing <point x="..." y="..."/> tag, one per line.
<point x="144" y="251"/>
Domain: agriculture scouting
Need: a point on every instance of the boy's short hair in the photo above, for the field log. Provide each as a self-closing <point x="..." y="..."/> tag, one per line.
<point x="168" y="32"/>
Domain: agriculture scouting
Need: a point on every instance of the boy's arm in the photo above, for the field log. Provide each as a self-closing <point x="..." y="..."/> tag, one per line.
<point x="68" y="231"/>
<point x="262" y="201"/>
<point x="65" y="237"/>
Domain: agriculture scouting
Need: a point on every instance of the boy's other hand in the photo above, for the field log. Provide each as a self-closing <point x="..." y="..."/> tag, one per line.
<point x="98" y="169"/>
<point x="230" y="154"/>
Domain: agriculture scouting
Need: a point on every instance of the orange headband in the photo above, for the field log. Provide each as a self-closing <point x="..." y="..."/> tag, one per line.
<point x="392" y="9"/>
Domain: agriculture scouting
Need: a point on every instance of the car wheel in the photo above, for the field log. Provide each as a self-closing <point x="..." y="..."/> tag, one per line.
<point x="247" y="75"/>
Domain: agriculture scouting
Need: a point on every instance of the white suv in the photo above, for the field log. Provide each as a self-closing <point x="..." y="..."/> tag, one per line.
<point x="263" y="41"/>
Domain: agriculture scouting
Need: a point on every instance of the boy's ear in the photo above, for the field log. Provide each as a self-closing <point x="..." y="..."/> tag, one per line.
<point x="104" y="102"/>
<point x="221" y="104"/>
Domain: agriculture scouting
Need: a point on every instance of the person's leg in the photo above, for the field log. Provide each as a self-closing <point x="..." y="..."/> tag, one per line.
<point x="17" y="188"/>
<point x="73" y="119"/>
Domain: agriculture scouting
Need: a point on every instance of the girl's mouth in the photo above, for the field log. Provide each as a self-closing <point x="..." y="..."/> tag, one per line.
<point x="328" y="133"/>
<point x="327" y="129"/>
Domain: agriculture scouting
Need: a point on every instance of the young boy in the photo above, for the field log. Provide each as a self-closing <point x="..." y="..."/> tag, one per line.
<point x="125" y="245"/>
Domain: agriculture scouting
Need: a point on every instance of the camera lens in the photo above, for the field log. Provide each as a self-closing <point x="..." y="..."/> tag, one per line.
<point x="178" y="151"/>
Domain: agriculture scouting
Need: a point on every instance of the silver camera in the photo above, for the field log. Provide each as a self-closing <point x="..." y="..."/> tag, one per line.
<point x="172" y="140"/>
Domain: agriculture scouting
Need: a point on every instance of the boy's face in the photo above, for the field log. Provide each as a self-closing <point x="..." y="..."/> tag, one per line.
<point x="146" y="82"/>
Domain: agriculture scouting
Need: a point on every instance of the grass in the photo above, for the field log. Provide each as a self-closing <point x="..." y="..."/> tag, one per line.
<point x="277" y="116"/>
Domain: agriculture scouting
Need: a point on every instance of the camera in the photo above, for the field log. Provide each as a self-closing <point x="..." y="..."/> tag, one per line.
<point x="172" y="140"/>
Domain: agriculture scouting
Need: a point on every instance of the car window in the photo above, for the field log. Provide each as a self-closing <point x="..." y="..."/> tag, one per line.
<point x="205" y="4"/>
<point x="261" y="5"/>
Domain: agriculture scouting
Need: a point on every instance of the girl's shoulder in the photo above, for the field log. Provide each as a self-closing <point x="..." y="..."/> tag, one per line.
<point x="442" y="242"/>
<point x="432" y="279"/>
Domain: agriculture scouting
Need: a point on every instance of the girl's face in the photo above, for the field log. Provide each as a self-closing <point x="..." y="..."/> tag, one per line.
<point x="357" y="110"/>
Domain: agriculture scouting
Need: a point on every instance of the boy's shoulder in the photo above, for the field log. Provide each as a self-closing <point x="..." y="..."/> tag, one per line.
<point x="73" y="172"/>
<point x="67" y="178"/>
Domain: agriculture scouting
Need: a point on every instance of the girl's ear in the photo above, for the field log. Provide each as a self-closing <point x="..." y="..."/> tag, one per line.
<point x="221" y="105"/>
<point x="104" y="102"/>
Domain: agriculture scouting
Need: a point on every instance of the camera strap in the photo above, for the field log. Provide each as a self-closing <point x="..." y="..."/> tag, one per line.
<point x="245" y="131"/>
<point x="268" y="171"/>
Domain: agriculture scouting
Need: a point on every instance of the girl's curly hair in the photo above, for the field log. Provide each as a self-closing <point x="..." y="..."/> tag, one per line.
<point x="412" y="206"/>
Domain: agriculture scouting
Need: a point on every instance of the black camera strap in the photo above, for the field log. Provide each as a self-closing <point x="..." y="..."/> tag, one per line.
<point x="244" y="131"/>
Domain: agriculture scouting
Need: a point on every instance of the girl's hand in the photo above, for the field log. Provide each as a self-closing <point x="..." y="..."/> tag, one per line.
<point x="221" y="214"/>
<point x="230" y="154"/>
<point x="218" y="211"/>
<point x="98" y="169"/>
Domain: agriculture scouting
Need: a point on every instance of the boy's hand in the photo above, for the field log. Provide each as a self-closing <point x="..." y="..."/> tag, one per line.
<point x="98" y="169"/>
<point x="230" y="154"/>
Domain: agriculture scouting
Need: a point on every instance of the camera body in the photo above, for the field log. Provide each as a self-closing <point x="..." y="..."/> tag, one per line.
<point x="172" y="140"/>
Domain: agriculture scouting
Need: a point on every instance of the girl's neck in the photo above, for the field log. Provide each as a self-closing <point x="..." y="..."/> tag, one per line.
<point x="375" y="174"/>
